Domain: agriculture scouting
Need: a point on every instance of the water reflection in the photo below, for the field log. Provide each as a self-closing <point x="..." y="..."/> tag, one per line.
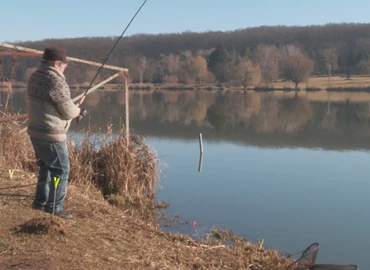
<point x="326" y="120"/>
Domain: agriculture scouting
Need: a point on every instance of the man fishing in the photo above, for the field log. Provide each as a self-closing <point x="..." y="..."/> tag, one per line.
<point x="50" y="111"/>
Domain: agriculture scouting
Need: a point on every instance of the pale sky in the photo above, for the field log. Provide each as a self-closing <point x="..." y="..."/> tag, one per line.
<point x="24" y="20"/>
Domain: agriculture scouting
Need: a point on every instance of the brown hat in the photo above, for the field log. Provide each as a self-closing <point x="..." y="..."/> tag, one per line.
<point x="55" y="54"/>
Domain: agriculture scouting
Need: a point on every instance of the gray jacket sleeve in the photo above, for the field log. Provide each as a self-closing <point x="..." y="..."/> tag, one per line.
<point x="68" y="110"/>
<point x="61" y="98"/>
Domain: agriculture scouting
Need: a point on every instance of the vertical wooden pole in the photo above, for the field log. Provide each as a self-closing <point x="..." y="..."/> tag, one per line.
<point x="1" y="68"/>
<point x="12" y="73"/>
<point x="2" y="126"/>
<point x="9" y="97"/>
<point x="127" y="109"/>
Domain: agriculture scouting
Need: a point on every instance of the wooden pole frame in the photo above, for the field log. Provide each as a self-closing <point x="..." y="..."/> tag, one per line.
<point x="72" y="59"/>
<point x="127" y="108"/>
<point x="89" y="91"/>
<point x="27" y="52"/>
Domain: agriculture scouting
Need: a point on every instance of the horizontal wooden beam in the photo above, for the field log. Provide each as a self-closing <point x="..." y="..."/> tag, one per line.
<point x="23" y="54"/>
<point x="13" y="117"/>
<point x="91" y="63"/>
<point x="89" y="91"/>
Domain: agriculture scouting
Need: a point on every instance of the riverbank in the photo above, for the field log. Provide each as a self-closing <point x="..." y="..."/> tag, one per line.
<point x="313" y="84"/>
<point x="107" y="232"/>
<point x="336" y="83"/>
<point x="102" y="236"/>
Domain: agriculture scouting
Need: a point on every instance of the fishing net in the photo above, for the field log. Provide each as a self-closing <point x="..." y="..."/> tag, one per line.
<point x="308" y="257"/>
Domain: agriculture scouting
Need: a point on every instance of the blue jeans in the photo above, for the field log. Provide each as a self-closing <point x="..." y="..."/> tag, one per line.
<point x="53" y="160"/>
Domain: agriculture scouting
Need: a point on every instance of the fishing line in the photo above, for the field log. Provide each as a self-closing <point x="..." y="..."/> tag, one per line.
<point x="17" y="195"/>
<point x="20" y="186"/>
<point x="115" y="44"/>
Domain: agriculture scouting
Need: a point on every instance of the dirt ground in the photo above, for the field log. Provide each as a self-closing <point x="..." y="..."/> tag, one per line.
<point x="102" y="236"/>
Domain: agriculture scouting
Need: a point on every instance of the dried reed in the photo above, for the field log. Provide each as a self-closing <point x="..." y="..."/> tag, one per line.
<point x="127" y="174"/>
<point x="16" y="152"/>
<point x="256" y="256"/>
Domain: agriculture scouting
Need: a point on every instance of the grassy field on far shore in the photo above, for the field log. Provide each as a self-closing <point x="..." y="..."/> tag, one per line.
<point x="355" y="83"/>
<point x="324" y="82"/>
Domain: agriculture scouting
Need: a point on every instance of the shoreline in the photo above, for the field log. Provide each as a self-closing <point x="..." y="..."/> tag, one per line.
<point x="110" y="229"/>
<point x="104" y="236"/>
<point x="314" y="84"/>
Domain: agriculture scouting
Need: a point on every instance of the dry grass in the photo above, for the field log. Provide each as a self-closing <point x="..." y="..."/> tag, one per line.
<point x="127" y="174"/>
<point x="323" y="82"/>
<point x="102" y="236"/>
<point x="322" y="96"/>
<point x="16" y="149"/>
<point x="40" y="226"/>
<point x="312" y="83"/>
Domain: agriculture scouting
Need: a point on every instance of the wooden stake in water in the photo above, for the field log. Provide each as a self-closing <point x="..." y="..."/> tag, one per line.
<point x="200" y="162"/>
<point x="201" y="143"/>
<point x="56" y="184"/>
<point x="201" y="152"/>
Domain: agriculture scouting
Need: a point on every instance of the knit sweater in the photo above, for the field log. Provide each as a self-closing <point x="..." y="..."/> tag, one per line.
<point x="49" y="104"/>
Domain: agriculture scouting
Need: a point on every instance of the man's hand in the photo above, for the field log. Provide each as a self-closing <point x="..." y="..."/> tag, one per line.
<point x="83" y="113"/>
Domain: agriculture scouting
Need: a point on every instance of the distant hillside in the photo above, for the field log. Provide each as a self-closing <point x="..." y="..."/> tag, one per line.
<point x="343" y="46"/>
<point x="310" y="37"/>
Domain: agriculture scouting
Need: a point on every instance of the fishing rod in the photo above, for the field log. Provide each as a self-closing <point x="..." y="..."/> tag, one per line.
<point x="105" y="60"/>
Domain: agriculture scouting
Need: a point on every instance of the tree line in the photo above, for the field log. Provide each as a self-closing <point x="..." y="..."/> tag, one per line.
<point x="247" y="57"/>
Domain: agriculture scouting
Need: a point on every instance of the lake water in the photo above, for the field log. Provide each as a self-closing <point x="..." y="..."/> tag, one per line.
<point x="289" y="169"/>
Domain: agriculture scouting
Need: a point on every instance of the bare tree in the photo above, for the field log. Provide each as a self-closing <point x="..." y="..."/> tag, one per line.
<point x="169" y="67"/>
<point x="331" y="57"/>
<point x="204" y="52"/>
<point x="161" y="67"/>
<point x="364" y="66"/>
<point x="183" y="72"/>
<point x="247" y="73"/>
<point x="198" y="69"/>
<point x="268" y="58"/>
<point x="173" y="63"/>
<point x="185" y="56"/>
<point x="142" y="67"/>
<point x="290" y="49"/>
<point x="296" y="68"/>
<point x="363" y="44"/>
<point x="150" y="70"/>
